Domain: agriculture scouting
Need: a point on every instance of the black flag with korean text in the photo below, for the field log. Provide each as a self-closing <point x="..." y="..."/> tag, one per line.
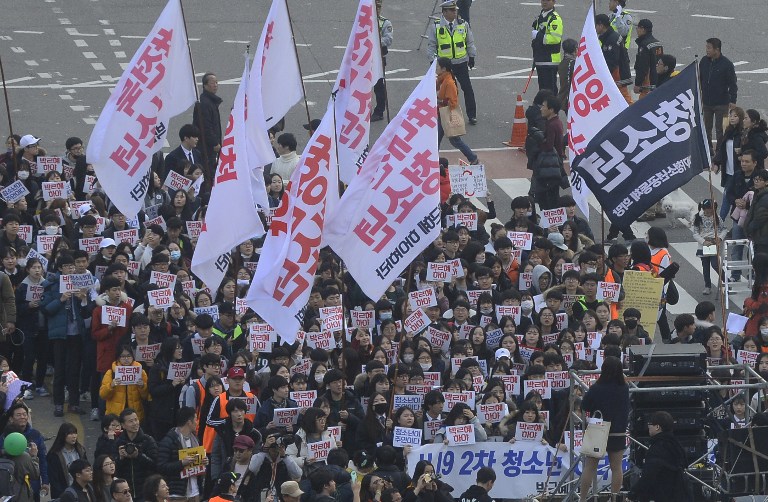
<point x="650" y="149"/>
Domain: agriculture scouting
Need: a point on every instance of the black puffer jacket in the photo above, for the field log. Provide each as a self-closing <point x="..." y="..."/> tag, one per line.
<point x="169" y="465"/>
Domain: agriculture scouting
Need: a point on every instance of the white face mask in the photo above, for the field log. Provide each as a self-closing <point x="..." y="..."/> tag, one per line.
<point x="22" y="262"/>
<point x="51" y="230"/>
<point x="408" y="358"/>
<point x="425" y="366"/>
<point x="591" y="270"/>
<point x="764" y="331"/>
<point x="319" y="377"/>
<point x="23" y="175"/>
<point x="243" y="282"/>
<point x="527" y="305"/>
<point x="385" y="315"/>
<point x="487" y="311"/>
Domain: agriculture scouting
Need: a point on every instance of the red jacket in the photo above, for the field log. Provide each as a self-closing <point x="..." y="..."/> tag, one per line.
<point x="106" y="340"/>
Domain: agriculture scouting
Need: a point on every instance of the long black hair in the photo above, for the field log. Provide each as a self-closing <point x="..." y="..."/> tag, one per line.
<point x="706" y="204"/>
<point x="612" y="371"/>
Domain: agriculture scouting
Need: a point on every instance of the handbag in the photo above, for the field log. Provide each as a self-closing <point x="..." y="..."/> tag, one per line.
<point x="595" y="439"/>
<point x="452" y="121"/>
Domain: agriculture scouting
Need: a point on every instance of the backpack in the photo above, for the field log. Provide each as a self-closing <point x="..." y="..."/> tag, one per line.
<point x="9" y="485"/>
<point x="68" y="490"/>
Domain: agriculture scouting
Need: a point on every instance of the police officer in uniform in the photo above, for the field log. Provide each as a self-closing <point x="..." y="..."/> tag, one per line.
<point x="452" y="38"/>
<point x="380" y="89"/>
<point x="649" y="50"/>
<point x="546" y="39"/>
<point x="621" y="22"/>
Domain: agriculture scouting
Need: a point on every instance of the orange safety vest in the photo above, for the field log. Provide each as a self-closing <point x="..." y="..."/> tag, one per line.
<point x="657" y="258"/>
<point x="210" y="433"/>
<point x="615" y="305"/>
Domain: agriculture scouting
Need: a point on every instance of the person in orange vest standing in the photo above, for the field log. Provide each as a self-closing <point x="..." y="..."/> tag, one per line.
<point x="618" y="260"/>
<point x="661" y="262"/>
<point x="219" y="411"/>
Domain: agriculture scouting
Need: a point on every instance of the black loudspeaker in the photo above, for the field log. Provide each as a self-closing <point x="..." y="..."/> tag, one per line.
<point x="668" y="359"/>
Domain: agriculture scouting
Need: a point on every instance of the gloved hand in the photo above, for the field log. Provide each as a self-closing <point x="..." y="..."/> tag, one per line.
<point x="471" y="62"/>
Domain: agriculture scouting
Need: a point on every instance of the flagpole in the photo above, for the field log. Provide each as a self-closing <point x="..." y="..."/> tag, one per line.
<point x="383" y="69"/>
<point x="298" y="63"/>
<point x="8" y="111"/>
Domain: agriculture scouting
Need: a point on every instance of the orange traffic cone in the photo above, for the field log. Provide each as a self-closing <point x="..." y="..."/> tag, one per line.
<point x="519" y="126"/>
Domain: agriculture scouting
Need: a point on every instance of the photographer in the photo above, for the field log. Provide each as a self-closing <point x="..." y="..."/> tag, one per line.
<point x="168" y="464"/>
<point x="271" y="466"/>
<point x="137" y="453"/>
<point x="426" y="486"/>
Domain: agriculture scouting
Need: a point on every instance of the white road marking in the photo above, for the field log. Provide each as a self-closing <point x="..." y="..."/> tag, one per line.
<point x="44" y="75"/>
<point x="314" y="75"/>
<point x="64" y="20"/>
<point x="109" y="31"/>
<point x="57" y="10"/>
<point x="78" y="108"/>
<point x="115" y="43"/>
<point x="75" y="33"/>
<point x="119" y="54"/>
<point x="123" y="66"/>
<point x="30" y="32"/>
<point x="133" y="36"/>
<point x="739" y="63"/>
<point x="643" y="11"/>
<point x="89" y="55"/>
<point x="18" y="50"/>
<point x="65" y="97"/>
<point x="297" y="45"/>
<point x="31" y="62"/>
<point x="20" y="79"/>
<point x="98" y="66"/>
<point x="104" y="22"/>
<point x="80" y="42"/>
<point x="761" y="70"/>
<point x="89" y="120"/>
<point x="710" y="16"/>
<point x="237" y="41"/>
<point x="400" y="50"/>
<point x="516" y="58"/>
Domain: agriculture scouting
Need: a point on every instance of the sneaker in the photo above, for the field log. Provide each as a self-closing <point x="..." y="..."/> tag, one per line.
<point x="95" y="415"/>
<point x="58" y="410"/>
<point x="376" y="117"/>
<point x="86" y="397"/>
<point x="707" y="291"/>
<point x="42" y="392"/>
<point x="66" y="395"/>
<point x="473" y="120"/>
<point x="29" y="395"/>
<point x="73" y="408"/>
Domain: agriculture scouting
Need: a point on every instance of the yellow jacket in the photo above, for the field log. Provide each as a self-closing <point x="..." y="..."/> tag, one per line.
<point x="124" y="396"/>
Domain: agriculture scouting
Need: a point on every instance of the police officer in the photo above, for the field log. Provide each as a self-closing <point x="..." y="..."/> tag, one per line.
<point x="621" y="22"/>
<point x="648" y="52"/>
<point x="546" y="38"/>
<point x="380" y="89"/>
<point x="452" y="38"/>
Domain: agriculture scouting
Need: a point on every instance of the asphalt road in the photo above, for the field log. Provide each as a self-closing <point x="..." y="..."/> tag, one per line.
<point x="61" y="60"/>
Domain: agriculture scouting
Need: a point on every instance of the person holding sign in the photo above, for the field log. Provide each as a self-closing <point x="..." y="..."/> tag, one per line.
<point x="461" y="414"/>
<point x="125" y="387"/>
<point x="164" y="392"/>
<point x="312" y="429"/>
<point x="64" y="312"/>
<point x="610" y="396"/>
<point x="173" y="468"/>
<point x="28" y="296"/>
<point x="376" y="428"/>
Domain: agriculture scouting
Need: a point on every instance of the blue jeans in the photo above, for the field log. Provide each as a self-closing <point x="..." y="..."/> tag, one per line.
<point x="456" y="142"/>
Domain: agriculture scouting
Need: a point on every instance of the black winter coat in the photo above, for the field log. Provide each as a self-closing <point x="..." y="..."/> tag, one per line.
<point x="169" y="465"/>
<point x="718" y="81"/>
<point x="136" y="470"/>
<point x="165" y="395"/>
<point x="206" y="117"/>
<point x="663" y="478"/>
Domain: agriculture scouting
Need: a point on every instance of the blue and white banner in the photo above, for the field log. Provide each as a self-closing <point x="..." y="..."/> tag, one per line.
<point x="650" y="149"/>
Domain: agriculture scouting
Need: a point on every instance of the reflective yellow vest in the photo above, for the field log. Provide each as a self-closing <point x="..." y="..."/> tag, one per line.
<point x="454" y="47"/>
<point x="553" y="34"/>
<point x="615" y="21"/>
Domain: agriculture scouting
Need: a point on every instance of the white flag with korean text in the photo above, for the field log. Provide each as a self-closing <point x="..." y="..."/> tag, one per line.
<point x="594" y="101"/>
<point x="360" y="69"/>
<point x="274" y="86"/>
<point x="231" y="195"/>
<point x="275" y="61"/>
<point x="391" y="210"/>
<point x="285" y="274"/>
<point x="156" y="85"/>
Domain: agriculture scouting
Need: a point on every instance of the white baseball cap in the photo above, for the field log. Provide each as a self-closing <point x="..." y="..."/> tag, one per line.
<point x="107" y="242"/>
<point x="27" y="140"/>
<point x="502" y="353"/>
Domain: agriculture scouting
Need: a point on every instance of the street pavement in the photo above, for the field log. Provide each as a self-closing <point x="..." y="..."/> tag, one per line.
<point x="61" y="60"/>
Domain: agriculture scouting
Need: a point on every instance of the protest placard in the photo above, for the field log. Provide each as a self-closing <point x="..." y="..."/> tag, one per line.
<point x="521" y="240"/>
<point x="131" y="236"/>
<point x="163" y="280"/>
<point x="112" y="314"/>
<point x="417" y="321"/>
<point x="160" y="298"/>
<point x="458" y="435"/>
<point x="179" y="370"/>
<point x="430" y="428"/>
<point x="525" y="431"/>
<point x="552" y="217"/>
<point x="49" y="164"/>
<point x="608" y="291"/>
<point x="362" y="318"/>
<point x="34" y="293"/>
<point x="468" y="220"/>
<point x="335" y="433"/>
<point x="318" y="451"/>
<point x="525" y="281"/>
<point x="71" y="283"/>
<point x="406" y="436"/>
<point x="54" y="190"/>
<point x="304" y="399"/>
<point x="558" y="379"/>
<point x="451" y="398"/>
<point x="14" y="192"/>
<point x="128" y="375"/>
<point x="157" y="221"/>
<point x="197" y="467"/>
<point x="541" y="386"/>
<point x="320" y="340"/>
<point x="438" y="338"/>
<point x="469" y="181"/>
<point x="643" y="292"/>
<point x="286" y="416"/>
<point x="147" y="352"/>
<point x="422" y="299"/>
<point x="432" y="378"/>
<point x="176" y="181"/>
<point x="211" y="310"/>
<point x="331" y="318"/>
<point x="303" y="367"/>
<point x="194" y="228"/>
<point x="456" y="269"/>
<point x="439" y="272"/>
<point x="252" y="402"/>
<point x="511" y="384"/>
<point x="413" y="402"/>
<point x="25" y="233"/>
<point x="511" y="311"/>
<point x="492" y="413"/>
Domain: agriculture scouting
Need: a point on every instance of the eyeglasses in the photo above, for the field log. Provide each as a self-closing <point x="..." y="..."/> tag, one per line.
<point x="124" y="492"/>
<point x="107" y="463"/>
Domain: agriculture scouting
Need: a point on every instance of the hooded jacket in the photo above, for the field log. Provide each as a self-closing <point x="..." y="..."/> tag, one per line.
<point x="538" y="271"/>
<point x="120" y="397"/>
